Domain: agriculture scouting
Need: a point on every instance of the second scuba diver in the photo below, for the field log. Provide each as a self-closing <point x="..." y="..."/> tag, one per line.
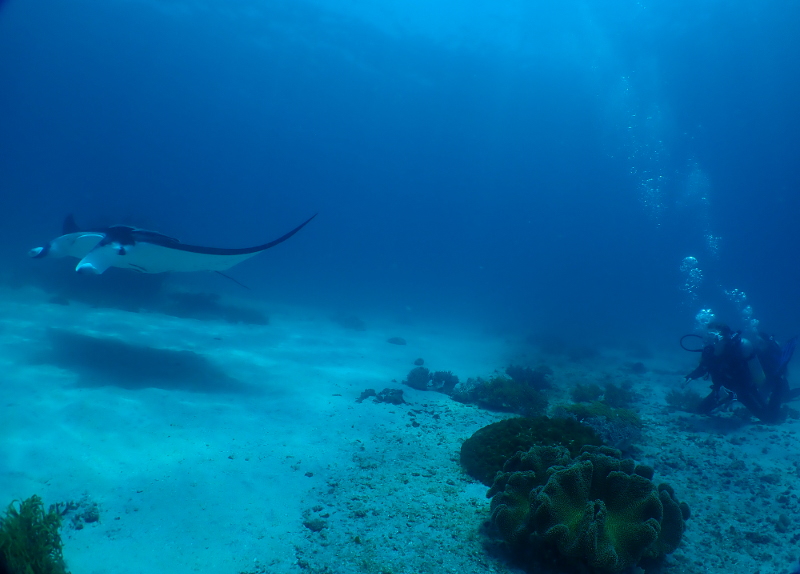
<point x="751" y="372"/>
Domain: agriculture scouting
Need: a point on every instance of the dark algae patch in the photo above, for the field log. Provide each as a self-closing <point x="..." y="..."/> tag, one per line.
<point x="29" y="539"/>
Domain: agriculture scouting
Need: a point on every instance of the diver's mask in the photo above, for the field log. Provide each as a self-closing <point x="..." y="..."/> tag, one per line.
<point x="717" y="340"/>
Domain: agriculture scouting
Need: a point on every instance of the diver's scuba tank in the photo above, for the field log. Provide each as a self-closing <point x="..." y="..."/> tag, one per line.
<point x="749" y="354"/>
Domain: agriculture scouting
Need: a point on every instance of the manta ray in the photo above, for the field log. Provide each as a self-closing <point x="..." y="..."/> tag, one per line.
<point x="142" y="250"/>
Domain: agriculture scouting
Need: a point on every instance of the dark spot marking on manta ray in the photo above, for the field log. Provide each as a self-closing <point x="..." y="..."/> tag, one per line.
<point x="101" y="361"/>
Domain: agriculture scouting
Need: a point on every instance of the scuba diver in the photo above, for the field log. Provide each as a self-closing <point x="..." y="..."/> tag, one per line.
<point x="751" y="372"/>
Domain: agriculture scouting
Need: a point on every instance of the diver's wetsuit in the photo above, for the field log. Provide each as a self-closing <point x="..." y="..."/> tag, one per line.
<point x="729" y="368"/>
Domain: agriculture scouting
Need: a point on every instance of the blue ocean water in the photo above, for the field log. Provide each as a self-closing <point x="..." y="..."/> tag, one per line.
<point x="606" y="174"/>
<point x="527" y="165"/>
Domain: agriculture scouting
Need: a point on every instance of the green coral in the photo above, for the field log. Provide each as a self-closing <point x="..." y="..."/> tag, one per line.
<point x="600" y="410"/>
<point x="486" y="451"/>
<point x="502" y="394"/>
<point x="619" y="428"/>
<point x="29" y="539"/>
<point x="585" y="393"/>
<point x="597" y="511"/>
<point x="614" y="396"/>
<point x="619" y="396"/>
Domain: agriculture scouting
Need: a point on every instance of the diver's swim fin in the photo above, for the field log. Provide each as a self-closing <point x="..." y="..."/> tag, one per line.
<point x="786" y="353"/>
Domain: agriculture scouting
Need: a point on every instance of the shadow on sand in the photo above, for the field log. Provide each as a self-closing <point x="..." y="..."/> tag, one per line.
<point x="107" y="361"/>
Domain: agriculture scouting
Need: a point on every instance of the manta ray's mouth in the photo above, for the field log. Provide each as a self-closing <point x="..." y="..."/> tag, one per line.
<point x="88" y="269"/>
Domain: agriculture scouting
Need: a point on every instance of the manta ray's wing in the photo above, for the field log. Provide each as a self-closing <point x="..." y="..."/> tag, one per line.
<point x="151" y="252"/>
<point x="77" y="244"/>
<point x="69" y="225"/>
<point x="115" y="232"/>
<point x="73" y="241"/>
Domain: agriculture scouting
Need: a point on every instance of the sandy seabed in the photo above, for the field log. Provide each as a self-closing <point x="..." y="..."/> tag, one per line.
<point x="248" y="453"/>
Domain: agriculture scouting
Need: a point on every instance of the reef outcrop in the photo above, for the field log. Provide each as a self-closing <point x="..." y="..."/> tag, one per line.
<point x="596" y="512"/>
